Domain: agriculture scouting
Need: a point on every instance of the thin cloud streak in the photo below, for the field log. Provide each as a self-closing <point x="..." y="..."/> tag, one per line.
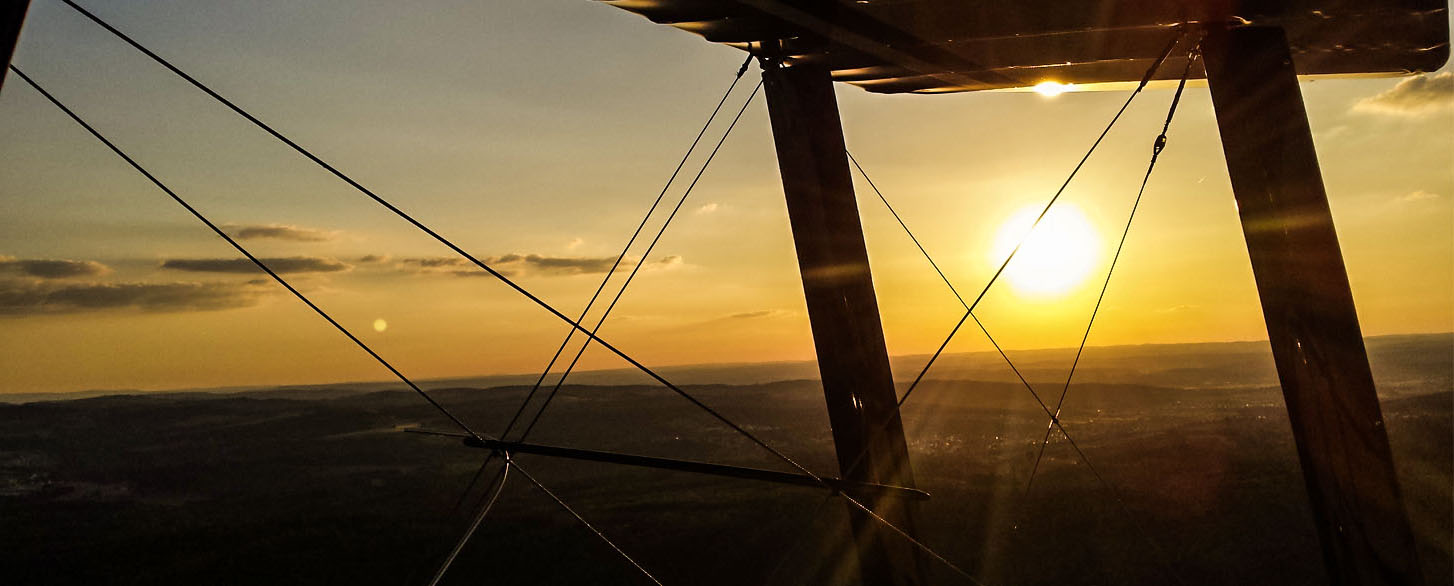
<point x="294" y="264"/>
<point x="1419" y="195"/>
<point x="765" y="313"/>
<point x="279" y="232"/>
<point x="526" y="264"/>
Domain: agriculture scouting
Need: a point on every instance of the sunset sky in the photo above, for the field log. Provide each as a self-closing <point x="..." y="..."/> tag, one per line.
<point x="537" y="133"/>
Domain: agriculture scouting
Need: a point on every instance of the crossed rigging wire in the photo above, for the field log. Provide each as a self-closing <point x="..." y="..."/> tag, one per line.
<point x="1054" y="416"/>
<point x="604" y="281"/>
<point x="1156" y="149"/>
<point x="969" y="308"/>
<point x="626" y="249"/>
<point x="635" y="269"/>
<point x="499" y="483"/>
<point x="607" y="279"/>
<point x="591" y="334"/>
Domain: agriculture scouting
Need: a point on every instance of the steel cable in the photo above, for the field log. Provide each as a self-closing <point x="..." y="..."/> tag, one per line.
<point x="463" y="497"/>
<point x="556" y="389"/>
<point x="624" y="250"/>
<point x="1155" y="153"/>
<point x="1151" y="71"/>
<point x="582" y="520"/>
<point x="499" y="483"/>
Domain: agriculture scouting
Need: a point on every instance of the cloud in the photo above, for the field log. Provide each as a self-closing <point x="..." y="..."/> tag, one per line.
<point x="558" y="265"/>
<point x="446" y="265"/>
<point x="707" y="208"/>
<point x="764" y="313"/>
<point x="575" y="243"/>
<point x="1321" y="136"/>
<point x="279" y="232"/>
<point x="1419" y="195"/>
<point x="1413" y="96"/>
<point x="29" y="297"/>
<point x="527" y="264"/>
<point x="294" y="264"/>
<point x="373" y="258"/>
<point x="52" y="269"/>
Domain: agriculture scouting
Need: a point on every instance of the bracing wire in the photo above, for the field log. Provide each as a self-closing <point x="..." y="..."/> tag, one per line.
<point x="1150" y="72"/>
<point x="967" y="315"/>
<point x="970" y="307"/>
<point x="1157" y="147"/>
<point x="1055" y="422"/>
<point x="463" y="497"/>
<point x="485" y="509"/>
<point x="260" y="264"/>
<point x="576" y="326"/>
<point x="499" y="483"/>
<point x="798" y="540"/>
<point x="469" y="488"/>
<point x="1155" y="153"/>
<point x="912" y="541"/>
<point x="583" y="521"/>
<point x="1011" y="256"/>
<point x="561" y="381"/>
<point x="514" y="419"/>
<point x="905" y="226"/>
<point x="625" y="249"/>
<point x="460" y="501"/>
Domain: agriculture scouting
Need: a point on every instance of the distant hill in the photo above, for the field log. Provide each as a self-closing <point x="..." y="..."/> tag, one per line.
<point x="1398" y="361"/>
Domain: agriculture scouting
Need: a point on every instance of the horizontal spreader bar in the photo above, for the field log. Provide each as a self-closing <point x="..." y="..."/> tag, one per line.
<point x="775" y="476"/>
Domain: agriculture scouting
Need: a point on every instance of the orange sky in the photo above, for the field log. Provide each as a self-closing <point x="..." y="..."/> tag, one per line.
<point x="539" y="136"/>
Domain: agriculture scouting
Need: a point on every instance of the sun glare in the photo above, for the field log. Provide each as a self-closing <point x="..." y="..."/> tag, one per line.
<point x="1057" y="255"/>
<point x="1051" y="89"/>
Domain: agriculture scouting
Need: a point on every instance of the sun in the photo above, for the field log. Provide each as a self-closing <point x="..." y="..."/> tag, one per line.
<point x="1057" y="255"/>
